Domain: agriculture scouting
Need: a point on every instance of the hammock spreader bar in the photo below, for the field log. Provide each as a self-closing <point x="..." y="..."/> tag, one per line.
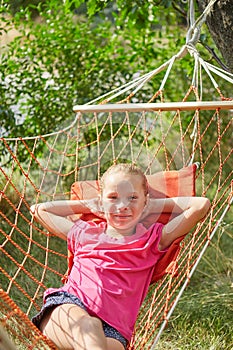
<point x="166" y="106"/>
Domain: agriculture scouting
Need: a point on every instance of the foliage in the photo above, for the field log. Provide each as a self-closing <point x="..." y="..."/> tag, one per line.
<point x="63" y="59"/>
<point x="16" y="5"/>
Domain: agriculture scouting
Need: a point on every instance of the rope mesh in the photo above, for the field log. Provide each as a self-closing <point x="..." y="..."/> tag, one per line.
<point x="43" y="168"/>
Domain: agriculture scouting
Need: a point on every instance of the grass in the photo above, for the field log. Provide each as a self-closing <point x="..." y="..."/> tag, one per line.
<point x="203" y="318"/>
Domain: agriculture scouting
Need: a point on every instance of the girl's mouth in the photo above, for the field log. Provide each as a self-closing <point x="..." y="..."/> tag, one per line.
<point x="121" y="216"/>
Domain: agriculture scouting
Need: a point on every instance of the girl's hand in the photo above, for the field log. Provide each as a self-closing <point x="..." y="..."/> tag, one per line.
<point x="94" y="206"/>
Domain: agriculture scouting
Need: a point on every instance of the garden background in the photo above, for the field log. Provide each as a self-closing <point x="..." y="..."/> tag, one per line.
<point x="57" y="54"/>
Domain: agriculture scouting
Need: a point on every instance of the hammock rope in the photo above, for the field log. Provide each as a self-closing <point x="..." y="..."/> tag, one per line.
<point x="158" y="136"/>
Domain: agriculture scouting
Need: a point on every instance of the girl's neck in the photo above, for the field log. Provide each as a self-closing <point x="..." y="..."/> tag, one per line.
<point x="113" y="232"/>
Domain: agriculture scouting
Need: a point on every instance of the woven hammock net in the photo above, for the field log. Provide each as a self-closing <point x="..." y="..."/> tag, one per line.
<point x="43" y="168"/>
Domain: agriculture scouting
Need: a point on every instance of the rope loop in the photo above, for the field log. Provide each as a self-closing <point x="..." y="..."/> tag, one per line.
<point x="193" y="34"/>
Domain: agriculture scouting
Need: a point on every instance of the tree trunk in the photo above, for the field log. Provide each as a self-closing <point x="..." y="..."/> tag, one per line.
<point x="220" y="24"/>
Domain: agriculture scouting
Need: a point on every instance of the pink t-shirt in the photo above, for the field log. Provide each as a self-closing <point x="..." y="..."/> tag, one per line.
<point x="112" y="275"/>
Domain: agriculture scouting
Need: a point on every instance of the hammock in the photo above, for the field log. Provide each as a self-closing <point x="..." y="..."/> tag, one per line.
<point x="182" y="146"/>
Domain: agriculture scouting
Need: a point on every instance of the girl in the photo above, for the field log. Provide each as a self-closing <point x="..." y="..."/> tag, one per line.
<point x="113" y="260"/>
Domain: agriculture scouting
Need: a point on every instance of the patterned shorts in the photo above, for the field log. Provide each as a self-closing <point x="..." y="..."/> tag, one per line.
<point x="59" y="298"/>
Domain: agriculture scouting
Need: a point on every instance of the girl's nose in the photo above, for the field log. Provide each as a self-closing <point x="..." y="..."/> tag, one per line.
<point x="123" y="204"/>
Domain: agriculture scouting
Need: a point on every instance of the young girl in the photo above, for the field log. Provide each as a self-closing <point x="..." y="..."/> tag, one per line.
<point x="113" y="260"/>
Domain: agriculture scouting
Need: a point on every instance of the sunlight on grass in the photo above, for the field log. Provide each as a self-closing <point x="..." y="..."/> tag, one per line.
<point x="203" y="317"/>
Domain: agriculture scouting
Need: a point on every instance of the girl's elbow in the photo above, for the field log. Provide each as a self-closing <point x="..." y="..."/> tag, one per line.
<point x="32" y="209"/>
<point x="36" y="210"/>
<point x="205" y="206"/>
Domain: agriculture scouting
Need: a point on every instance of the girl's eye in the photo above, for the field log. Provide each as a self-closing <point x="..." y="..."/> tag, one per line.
<point x="133" y="198"/>
<point x="112" y="197"/>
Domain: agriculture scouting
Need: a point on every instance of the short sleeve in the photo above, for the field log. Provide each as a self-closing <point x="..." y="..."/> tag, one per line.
<point x="71" y="240"/>
<point x="156" y="233"/>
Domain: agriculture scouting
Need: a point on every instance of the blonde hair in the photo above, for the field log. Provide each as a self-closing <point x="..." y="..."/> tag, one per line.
<point x="126" y="168"/>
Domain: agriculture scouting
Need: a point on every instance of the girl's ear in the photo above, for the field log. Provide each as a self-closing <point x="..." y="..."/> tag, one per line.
<point x="146" y="210"/>
<point x="147" y="199"/>
<point x="100" y="202"/>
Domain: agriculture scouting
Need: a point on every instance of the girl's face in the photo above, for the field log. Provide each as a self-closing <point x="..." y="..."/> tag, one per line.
<point x="123" y="200"/>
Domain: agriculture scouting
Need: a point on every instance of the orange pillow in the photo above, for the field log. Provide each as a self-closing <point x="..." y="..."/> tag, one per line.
<point x="163" y="184"/>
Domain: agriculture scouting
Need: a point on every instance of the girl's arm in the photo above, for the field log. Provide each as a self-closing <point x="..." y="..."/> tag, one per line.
<point x="189" y="211"/>
<point x="52" y="215"/>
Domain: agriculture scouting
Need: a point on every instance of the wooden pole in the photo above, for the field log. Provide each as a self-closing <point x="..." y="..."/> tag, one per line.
<point x="166" y="106"/>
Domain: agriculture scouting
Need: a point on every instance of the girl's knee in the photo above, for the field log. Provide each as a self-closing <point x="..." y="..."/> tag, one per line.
<point x="90" y="334"/>
<point x="89" y="324"/>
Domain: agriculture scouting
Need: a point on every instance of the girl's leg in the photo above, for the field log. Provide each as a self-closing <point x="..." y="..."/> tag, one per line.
<point x="71" y="328"/>
<point x="113" y="344"/>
